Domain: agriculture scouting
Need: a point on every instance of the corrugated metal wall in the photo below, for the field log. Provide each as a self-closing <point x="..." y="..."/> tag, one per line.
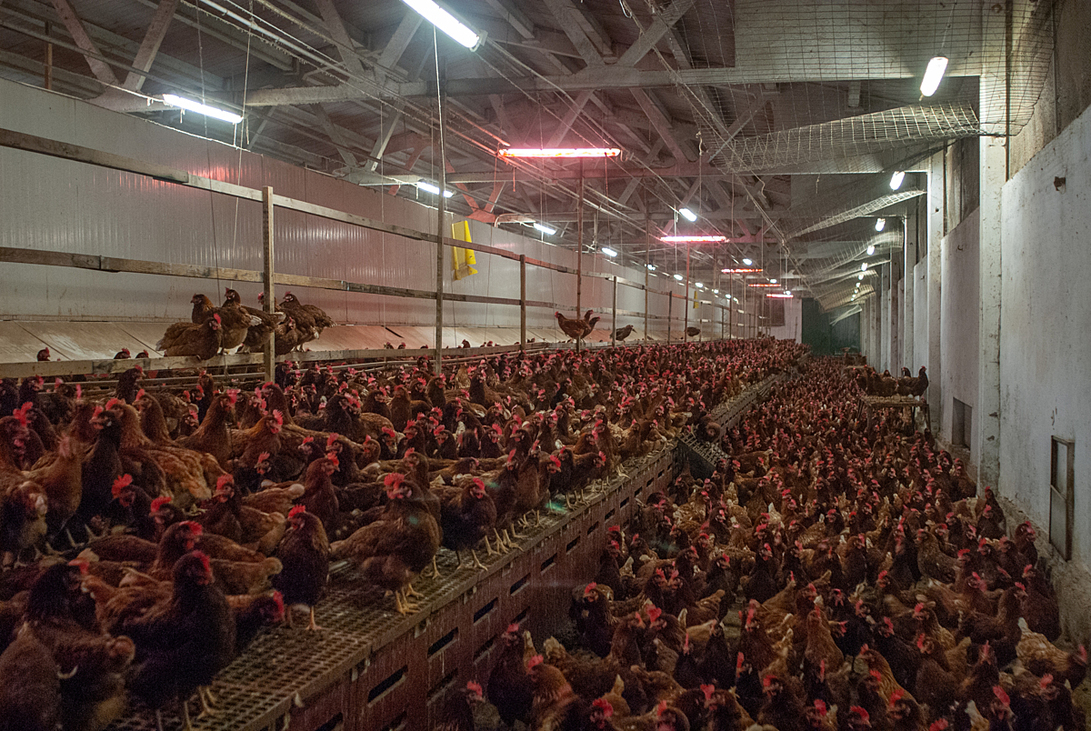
<point x="58" y="205"/>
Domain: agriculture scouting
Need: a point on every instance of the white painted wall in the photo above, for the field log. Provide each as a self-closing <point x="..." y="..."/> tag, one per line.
<point x="1045" y="361"/>
<point x="959" y="320"/>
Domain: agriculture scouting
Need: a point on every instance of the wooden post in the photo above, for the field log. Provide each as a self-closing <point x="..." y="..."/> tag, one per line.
<point x="441" y="219"/>
<point x="579" y="251"/>
<point x="523" y="301"/>
<point x="670" y="314"/>
<point x="685" y="322"/>
<point x="48" y="60"/>
<point x="613" y="332"/>
<point x="270" y="294"/>
<point x="647" y="261"/>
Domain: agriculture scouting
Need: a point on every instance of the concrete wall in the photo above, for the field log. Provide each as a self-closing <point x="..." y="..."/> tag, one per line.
<point x="958" y="320"/>
<point x="1045" y="365"/>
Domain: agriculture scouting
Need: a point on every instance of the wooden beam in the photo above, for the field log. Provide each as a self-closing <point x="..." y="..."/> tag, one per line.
<point x="662" y="125"/>
<point x="149" y="47"/>
<point x="346" y="48"/>
<point x="72" y="22"/>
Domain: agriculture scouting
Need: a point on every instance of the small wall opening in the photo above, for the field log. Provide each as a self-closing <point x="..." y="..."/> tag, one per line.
<point x="1062" y="474"/>
<point x="962" y="419"/>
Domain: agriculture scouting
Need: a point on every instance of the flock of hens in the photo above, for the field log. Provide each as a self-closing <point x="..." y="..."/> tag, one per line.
<point x="234" y="327"/>
<point x="143" y="534"/>
<point x="830" y="577"/>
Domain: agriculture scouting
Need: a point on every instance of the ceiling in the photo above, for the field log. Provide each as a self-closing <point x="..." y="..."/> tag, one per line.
<point x="778" y="121"/>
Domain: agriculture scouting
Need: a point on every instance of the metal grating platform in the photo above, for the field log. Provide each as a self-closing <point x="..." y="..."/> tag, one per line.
<point x="372" y="669"/>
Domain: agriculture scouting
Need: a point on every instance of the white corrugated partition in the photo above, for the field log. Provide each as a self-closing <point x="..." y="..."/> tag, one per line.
<point x="53" y="204"/>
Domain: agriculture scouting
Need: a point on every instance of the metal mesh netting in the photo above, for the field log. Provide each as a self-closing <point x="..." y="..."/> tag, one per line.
<point x="847" y="212"/>
<point x="817" y="80"/>
<point x="850" y="136"/>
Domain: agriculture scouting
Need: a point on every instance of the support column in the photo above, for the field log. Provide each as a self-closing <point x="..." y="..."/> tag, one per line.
<point x="936" y="401"/>
<point x="993" y="174"/>
<point x="670" y="313"/>
<point x="685" y="319"/>
<point x="613" y="320"/>
<point x="441" y="234"/>
<point x="270" y="296"/>
<point x="909" y="279"/>
<point x="522" y="301"/>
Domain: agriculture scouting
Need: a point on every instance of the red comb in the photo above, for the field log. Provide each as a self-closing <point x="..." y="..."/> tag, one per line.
<point x="223" y="481"/>
<point x="297" y="510"/>
<point x="1001" y="695"/>
<point x="159" y="502"/>
<point x="120" y="484"/>
<point x="820" y="706"/>
<point x="860" y="712"/>
<point x="474" y="688"/>
<point x="195" y="528"/>
<point x="897" y="695"/>
<point x="21" y="412"/>
<point x="513" y="628"/>
<point x="535" y="662"/>
<point x="708" y="690"/>
<point x="603" y="705"/>
<point x="590" y="588"/>
<point x="279" y="599"/>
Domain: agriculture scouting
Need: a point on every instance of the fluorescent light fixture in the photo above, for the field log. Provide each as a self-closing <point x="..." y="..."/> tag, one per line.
<point x="863" y="267"/>
<point x="870" y="249"/>
<point x="688" y="214"/>
<point x="547" y="230"/>
<point x="785" y="296"/>
<point x="880" y="224"/>
<point x="560" y="152"/>
<point x="772" y="281"/>
<point x="693" y="239"/>
<point x="433" y="189"/>
<point x="896" y="180"/>
<point x="748" y="262"/>
<point x="699" y="285"/>
<point x="933" y="75"/>
<point x="860" y="277"/>
<point x="447" y="23"/>
<point x="762" y="284"/>
<point x="608" y="251"/>
<point x="651" y="267"/>
<point x="678" y="277"/>
<point x="193" y="106"/>
<point x="715" y="291"/>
